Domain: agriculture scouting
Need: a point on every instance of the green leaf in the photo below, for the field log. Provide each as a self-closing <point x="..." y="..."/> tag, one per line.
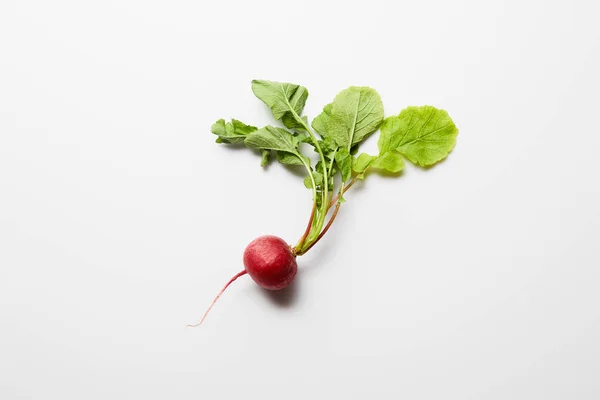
<point x="389" y="161"/>
<point x="308" y="182"/>
<point x="319" y="166"/>
<point x="266" y="157"/>
<point x="290" y="121"/>
<point x="292" y="158"/>
<point x="362" y="162"/>
<point x="356" y="113"/>
<point x="318" y="180"/>
<point x="231" y="132"/>
<point x="241" y="128"/>
<point x="281" y="141"/>
<point x="424" y="135"/>
<point x="320" y="123"/>
<point x="305" y="139"/>
<point x="327" y="145"/>
<point x="219" y="129"/>
<point x="343" y="160"/>
<point x="284" y="99"/>
<point x="272" y="138"/>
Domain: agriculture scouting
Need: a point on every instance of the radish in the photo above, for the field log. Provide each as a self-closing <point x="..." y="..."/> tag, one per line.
<point x="269" y="261"/>
<point x="422" y="135"/>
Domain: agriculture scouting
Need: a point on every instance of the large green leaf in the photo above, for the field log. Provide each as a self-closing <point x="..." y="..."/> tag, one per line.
<point x="356" y="113"/>
<point x="284" y="100"/>
<point x="424" y="135"/>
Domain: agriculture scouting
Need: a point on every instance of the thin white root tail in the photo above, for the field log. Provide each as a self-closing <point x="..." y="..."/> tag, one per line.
<point x="217" y="298"/>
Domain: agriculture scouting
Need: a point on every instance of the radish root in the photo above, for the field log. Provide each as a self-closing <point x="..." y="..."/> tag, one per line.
<point x="217" y="298"/>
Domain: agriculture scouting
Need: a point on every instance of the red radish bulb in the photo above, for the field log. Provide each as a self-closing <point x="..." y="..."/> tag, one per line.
<point x="269" y="260"/>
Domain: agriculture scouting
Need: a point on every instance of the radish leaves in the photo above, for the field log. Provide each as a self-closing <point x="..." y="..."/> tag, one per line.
<point x="423" y="135"/>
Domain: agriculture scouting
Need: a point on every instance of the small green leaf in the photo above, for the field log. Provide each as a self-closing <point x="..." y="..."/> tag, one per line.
<point x="241" y="128"/>
<point x="266" y="157"/>
<point x="308" y="182"/>
<point x="218" y="128"/>
<point x="273" y="138"/>
<point x="389" y="161"/>
<point x="424" y="135"/>
<point x="305" y="139"/>
<point x="327" y="145"/>
<point x="284" y="99"/>
<point x="331" y="183"/>
<point x="318" y="180"/>
<point x="231" y="132"/>
<point x="319" y="166"/>
<point x="362" y="163"/>
<point x="343" y="160"/>
<point x="356" y="113"/>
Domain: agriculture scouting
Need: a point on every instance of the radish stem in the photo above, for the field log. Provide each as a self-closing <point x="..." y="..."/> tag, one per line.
<point x="308" y="228"/>
<point x="324" y="231"/>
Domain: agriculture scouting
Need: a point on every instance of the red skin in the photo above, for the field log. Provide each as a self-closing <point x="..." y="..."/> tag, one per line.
<point x="270" y="262"/>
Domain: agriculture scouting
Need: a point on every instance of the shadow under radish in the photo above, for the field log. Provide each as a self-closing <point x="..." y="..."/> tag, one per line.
<point x="286" y="297"/>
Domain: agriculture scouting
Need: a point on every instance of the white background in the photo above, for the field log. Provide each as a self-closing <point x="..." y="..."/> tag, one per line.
<point x="120" y="218"/>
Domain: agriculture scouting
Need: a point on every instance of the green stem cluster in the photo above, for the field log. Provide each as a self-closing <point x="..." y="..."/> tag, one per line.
<point x="316" y="227"/>
<point x="318" y="213"/>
